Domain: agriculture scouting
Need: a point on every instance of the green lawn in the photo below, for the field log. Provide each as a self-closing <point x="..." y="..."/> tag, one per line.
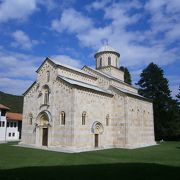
<point x="157" y="162"/>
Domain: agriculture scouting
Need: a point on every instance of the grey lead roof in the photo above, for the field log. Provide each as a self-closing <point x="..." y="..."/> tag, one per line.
<point x="85" y="85"/>
<point x="70" y="67"/>
<point x="110" y="77"/>
<point x="131" y="93"/>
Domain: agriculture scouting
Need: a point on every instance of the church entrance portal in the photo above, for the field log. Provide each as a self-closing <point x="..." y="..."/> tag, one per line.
<point x="43" y="129"/>
<point x="97" y="130"/>
<point x="45" y="137"/>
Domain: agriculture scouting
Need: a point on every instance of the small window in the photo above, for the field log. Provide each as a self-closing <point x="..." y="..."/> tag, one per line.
<point x="13" y="134"/>
<point x="14" y="124"/>
<point x="107" y="120"/>
<point x="7" y="124"/>
<point x="47" y="76"/>
<point x="11" y="124"/>
<point x="9" y="134"/>
<point x="0" y="123"/>
<point x="30" y="120"/>
<point x="109" y="61"/>
<point x="100" y="63"/>
<point x="3" y="112"/>
<point x="84" y="118"/>
<point x="63" y="118"/>
<point x="3" y="124"/>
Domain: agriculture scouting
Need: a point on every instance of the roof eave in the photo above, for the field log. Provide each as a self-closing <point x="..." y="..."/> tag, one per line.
<point x="29" y="88"/>
<point x="133" y="95"/>
<point x="46" y="59"/>
<point x="98" y="53"/>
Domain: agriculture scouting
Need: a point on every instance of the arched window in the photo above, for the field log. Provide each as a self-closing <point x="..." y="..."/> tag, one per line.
<point x="100" y="63"/>
<point x="46" y="95"/>
<point x="84" y="118"/>
<point x="109" y="61"/>
<point x="63" y="118"/>
<point x="30" y="119"/>
<point x="47" y="76"/>
<point x="107" y="120"/>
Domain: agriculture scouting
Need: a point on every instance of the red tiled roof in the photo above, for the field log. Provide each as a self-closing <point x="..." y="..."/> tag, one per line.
<point x="14" y="116"/>
<point x="4" y="107"/>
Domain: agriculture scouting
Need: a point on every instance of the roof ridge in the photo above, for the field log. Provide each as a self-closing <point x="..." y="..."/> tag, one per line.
<point x="70" y="67"/>
<point x="111" y="77"/>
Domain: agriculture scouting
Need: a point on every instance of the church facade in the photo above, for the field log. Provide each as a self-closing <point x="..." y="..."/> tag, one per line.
<point x="77" y="110"/>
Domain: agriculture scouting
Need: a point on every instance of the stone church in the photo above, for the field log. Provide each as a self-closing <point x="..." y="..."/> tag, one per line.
<point x="73" y="110"/>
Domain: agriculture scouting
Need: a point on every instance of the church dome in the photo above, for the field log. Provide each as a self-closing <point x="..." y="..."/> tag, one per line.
<point x="105" y="49"/>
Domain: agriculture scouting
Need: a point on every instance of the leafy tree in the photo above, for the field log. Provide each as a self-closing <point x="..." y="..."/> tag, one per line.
<point x="127" y="75"/>
<point x="155" y="86"/>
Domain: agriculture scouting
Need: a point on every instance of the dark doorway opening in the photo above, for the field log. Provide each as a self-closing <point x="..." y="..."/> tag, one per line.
<point x="45" y="137"/>
<point x="96" y="140"/>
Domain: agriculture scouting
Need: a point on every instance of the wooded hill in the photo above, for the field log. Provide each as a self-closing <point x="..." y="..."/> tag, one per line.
<point x="15" y="103"/>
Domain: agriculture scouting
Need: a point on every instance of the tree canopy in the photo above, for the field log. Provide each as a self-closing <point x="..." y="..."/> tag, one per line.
<point x="178" y="95"/>
<point x="154" y="85"/>
<point x="127" y="75"/>
<point x="15" y="103"/>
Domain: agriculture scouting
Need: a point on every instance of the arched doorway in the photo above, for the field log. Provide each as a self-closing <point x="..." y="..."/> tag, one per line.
<point x="97" y="129"/>
<point x="43" y="120"/>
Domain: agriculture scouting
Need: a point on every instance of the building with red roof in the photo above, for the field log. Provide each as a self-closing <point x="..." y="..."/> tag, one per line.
<point x="10" y="124"/>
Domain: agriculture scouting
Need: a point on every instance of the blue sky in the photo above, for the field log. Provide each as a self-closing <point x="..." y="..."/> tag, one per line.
<point x="71" y="31"/>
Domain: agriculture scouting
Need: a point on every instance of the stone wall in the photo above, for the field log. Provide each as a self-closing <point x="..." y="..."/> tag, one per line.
<point x="114" y="72"/>
<point x="130" y="121"/>
<point x="33" y="104"/>
<point x="97" y="107"/>
<point x="114" y="60"/>
<point x="77" y="76"/>
<point x="140" y="123"/>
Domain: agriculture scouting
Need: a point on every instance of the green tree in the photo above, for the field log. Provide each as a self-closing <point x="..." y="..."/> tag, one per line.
<point x="155" y="86"/>
<point x="127" y="75"/>
<point x="178" y="95"/>
<point x="15" y="103"/>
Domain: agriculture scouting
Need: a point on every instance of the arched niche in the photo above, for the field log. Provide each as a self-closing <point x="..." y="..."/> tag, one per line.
<point x="44" y="118"/>
<point x="97" y="128"/>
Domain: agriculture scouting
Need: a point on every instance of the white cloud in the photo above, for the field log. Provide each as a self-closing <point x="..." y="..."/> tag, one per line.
<point x="16" y="65"/>
<point x="14" y="86"/>
<point x="137" y="48"/>
<point x="22" y="9"/>
<point x="64" y="59"/>
<point x="22" y="40"/>
<point x="49" y="4"/>
<point x="16" y="9"/>
<point x="72" y="21"/>
<point x="164" y="15"/>
<point x="17" y="71"/>
<point x="97" y="5"/>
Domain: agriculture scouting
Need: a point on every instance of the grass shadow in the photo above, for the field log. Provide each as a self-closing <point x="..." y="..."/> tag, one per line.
<point x="135" y="171"/>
